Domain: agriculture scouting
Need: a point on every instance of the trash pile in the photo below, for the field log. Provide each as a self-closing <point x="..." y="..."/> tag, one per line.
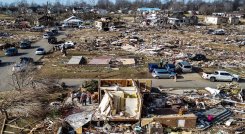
<point x="5" y="35"/>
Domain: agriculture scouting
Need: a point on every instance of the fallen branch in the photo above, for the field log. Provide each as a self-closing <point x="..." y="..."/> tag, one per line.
<point x="9" y="122"/>
<point x="13" y="126"/>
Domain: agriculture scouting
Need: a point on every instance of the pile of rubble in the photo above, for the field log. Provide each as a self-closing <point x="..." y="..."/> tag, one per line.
<point x="123" y="109"/>
<point x="5" y="35"/>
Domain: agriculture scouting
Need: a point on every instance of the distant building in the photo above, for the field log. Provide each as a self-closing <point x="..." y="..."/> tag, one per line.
<point x="215" y="20"/>
<point x="103" y="23"/>
<point x="45" y="20"/>
<point x="218" y="14"/>
<point x="21" y="22"/>
<point x="234" y="14"/>
<point x="107" y="22"/>
<point x="179" y="18"/>
<point x="72" y="21"/>
<point x="145" y="9"/>
<point x="234" y="20"/>
<point x="102" y="12"/>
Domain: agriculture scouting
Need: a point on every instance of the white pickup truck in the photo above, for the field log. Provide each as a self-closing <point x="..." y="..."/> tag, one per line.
<point x="220" y="76"/>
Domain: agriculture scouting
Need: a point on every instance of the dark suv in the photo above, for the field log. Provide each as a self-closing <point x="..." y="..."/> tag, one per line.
<point x="11" y="51"/>
<point x="24" y="44"/>
<point x="52" y="40"/>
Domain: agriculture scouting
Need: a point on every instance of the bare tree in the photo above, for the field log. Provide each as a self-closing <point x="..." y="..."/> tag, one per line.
<point x="22" y="6"/>
<point x="105" y="4"/>
<point x="23" y="79"/>
<point x="6" y="101"/>
<point x="205" y="9"/>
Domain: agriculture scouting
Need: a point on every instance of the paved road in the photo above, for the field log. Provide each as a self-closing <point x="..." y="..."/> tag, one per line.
<point x="192" y="80"/>
<point x="8" y="62"/>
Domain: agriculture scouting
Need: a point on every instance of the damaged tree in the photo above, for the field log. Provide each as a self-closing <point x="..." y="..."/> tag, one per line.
<point x="23" y="79"/>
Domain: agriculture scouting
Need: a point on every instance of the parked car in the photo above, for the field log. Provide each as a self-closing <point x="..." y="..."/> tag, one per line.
<point x="37" y="29"/>
<point x="163" y="73"/>
<point x="218" y="32"/>
<point x="152" y="66"/>
<point x="210" y="31"/>
<point x="54" y="31"/>
<point x="184" y="67"/>
<point x="47" y="35"/>
<point x="220" y="76"/>
<point x="198" y="57"/>
<point x="65" y="26"/>
<point x="11" y="51"/>
<point x="25" y="44"/>
<point x="81" y="26"/>
<point x="40" y="51"/>
<point x="23" y="64"/>
<point x="0" y="61"/>
<point x="52" y="40"/>
<point x="170" y="67"/>
<point x="68" y="44"/>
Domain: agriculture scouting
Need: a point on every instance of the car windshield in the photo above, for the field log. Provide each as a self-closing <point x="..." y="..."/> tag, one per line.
<point x="10" y="50"/>
<point x="23" y="44"/>
<point x="17" y="65"/>
<point x="40" y="49"/>
<point x="187" y="66"/>
<point x="171" y="66"/>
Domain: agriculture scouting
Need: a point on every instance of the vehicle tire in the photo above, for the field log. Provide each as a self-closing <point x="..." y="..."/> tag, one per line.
<point x="234" y="80"/>
<point x="157" y="77"/>
<point x="212" y="79"/>
<point x="171" y="77"/>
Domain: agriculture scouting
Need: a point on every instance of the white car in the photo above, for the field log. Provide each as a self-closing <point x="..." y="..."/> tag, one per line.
<point x="40" y="51"/>
<point x="68" y="44"/>
<point x="81" y="26"/>
<point x="46" y="36"/>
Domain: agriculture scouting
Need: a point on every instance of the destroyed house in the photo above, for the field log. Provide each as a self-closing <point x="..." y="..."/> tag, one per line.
<point x="234" y="14"/>
<point x="120" y="101"/>
<point x="72" y="21"/>
<point x="215" y="20"/>
<point x="168" y="110"/>
<point x="234" y="20"/>
<point x="179" y="18"/>
<point x="108" y="60"/>
<point x="46" y="20"/>
<point x="105" y="23"/>
<point x="145" y="9"/>
<point x="102" y="60"/>
<point x="21" y="22"/>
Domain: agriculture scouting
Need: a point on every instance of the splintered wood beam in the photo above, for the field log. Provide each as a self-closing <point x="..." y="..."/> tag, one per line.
<point x="8" y="132"/>
<point x="13" y="126"/>
<point x="3" y="126"/>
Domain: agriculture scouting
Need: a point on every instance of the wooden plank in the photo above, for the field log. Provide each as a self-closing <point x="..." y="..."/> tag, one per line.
<point x="13" y="126"/>
<point x="8" y="132"/>
<point x="3" y="126"/>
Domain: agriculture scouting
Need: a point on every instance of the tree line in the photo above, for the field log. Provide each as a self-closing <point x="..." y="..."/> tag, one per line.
<point x="203" y="6"/>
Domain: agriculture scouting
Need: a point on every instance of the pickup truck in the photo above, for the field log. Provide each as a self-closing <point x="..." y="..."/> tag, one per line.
<point x="220" y="76"/>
